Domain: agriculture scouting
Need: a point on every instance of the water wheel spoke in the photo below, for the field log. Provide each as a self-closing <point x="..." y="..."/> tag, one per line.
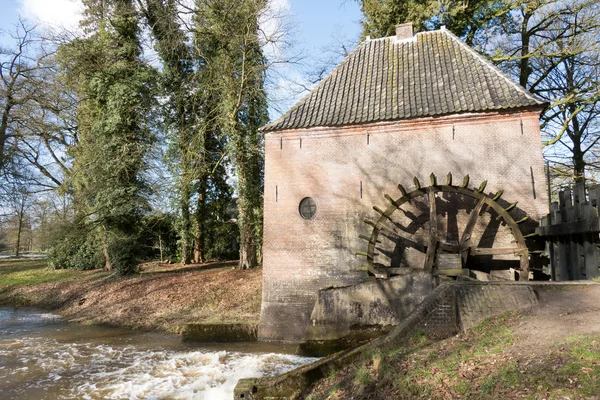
<point x="472" y="221"/>
<point x="412" y="240"/>
<point x="433" y="231"/>
<point x="492" y="251"/>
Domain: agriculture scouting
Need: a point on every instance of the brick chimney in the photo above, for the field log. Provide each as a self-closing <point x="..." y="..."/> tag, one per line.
<point x="404" y="31"/>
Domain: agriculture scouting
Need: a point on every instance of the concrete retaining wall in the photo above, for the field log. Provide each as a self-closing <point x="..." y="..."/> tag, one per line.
<point x="345" y="317"/>
<point x="475" y="302"/>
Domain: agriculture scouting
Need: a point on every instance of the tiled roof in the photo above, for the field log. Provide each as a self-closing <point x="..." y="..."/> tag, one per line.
<point x="433" y="73"/>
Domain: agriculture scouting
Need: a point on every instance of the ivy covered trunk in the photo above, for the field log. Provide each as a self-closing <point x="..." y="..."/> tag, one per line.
<point x="199" y="233"/>
<point x="116" y="92"/>
<point x="186" y="223"/>
<point x="246" y="220"/>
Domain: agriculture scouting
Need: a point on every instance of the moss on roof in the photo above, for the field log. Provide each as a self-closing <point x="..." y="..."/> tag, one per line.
<point x="433" y="73"/>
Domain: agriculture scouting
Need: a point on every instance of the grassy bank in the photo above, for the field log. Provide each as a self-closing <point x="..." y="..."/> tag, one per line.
<point x="487" y="362"/>
<point x="162" y="297"/>
<point x="15" y="272"/>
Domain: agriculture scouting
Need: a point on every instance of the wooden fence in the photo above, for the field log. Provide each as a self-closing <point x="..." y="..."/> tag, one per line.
<point x="571" y="230"/>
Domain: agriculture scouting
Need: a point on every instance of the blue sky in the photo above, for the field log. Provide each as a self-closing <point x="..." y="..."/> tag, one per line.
<point x="8" y="13"/>
<point x="317" y="20"/>
<point x="316" y="23"/>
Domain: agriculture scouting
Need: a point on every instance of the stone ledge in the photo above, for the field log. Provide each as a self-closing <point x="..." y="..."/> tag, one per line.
<point x="219" y="332"/>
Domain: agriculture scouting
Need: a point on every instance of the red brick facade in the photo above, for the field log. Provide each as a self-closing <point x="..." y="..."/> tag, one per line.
<point x="346" y="170"/>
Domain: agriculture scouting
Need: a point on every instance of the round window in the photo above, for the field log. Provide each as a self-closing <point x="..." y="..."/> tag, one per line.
<point x="307" y="208"/>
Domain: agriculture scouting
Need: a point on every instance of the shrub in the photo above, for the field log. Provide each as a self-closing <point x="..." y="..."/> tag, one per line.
<point x="74" y="248"/>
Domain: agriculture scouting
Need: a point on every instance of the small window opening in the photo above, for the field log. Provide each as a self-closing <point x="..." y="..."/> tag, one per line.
<point x="521" y="127"/>
<point x="307" y="208"/>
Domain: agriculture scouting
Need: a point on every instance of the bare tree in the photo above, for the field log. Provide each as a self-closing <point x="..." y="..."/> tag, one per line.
<point x="551" y="46"/>
<point x="18" y="69"/>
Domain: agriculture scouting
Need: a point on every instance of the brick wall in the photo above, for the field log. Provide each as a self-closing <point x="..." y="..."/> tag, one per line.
<point x="441" y="319"/>
<point x="477" y="302"/>
<point x="331" y="165"/>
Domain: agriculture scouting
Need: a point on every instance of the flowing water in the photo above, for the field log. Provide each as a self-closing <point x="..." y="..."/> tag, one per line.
<point x="42" y="357"/>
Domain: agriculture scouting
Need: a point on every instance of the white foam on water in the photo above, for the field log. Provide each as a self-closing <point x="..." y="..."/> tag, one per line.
<point x="90" y="371"/>
<point x="188" y="375"/>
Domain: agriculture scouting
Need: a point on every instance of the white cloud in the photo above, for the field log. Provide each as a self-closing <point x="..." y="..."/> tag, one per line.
<point x="54" y="13"/>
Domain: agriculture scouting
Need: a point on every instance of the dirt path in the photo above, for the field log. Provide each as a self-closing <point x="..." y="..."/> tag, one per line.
<point x="562" y="312"/>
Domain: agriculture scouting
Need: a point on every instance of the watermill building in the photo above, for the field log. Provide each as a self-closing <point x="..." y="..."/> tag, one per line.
<point x="396" y="108"/>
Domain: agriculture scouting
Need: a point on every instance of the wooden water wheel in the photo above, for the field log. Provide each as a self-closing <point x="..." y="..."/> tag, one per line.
<point x="440" y="255"/>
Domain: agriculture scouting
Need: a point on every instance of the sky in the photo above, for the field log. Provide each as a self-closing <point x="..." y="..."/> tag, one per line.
<point x="315" y="24"/>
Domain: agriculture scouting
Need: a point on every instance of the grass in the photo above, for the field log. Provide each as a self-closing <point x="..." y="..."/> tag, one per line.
<point x="483" y="364"/>
<point x="16" y="272"/>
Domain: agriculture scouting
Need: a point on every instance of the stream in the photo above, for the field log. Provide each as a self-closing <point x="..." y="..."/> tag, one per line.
<point x="42" y="357"/>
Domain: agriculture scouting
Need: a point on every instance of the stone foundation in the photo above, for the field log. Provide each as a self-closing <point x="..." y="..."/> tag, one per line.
<point x="345" y="317"/>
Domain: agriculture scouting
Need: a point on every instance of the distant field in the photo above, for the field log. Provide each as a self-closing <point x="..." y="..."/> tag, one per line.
<point x="14" y="272"/>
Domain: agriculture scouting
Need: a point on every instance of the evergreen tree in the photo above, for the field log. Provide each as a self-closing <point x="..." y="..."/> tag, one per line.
<point x="465" y="18"/>
<point x="234" y="75"/>
<point x="171" y="46"/>
<point x="114" y="87"/>
<point x="197" y="147"/>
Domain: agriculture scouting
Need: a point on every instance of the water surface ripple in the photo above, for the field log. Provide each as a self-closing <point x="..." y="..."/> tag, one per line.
<point x="42" y="357"/>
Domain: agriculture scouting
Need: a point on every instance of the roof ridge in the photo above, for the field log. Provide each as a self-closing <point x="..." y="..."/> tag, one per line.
<point x="498" y="71"/>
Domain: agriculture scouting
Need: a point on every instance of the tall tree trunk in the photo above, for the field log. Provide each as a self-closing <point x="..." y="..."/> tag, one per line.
<point x="199" y="233"/>
<point x="574" y="131"/>
<point x="246" y="217"/>
<point x="4" y="121"/>
<point x="524" y="70"/>
<point x="107" y="264"/>
<point x="20" y="227"/>
<point x="579" y="163"/>
<point x="185" y="222"/>
<point x="160" y="248"/>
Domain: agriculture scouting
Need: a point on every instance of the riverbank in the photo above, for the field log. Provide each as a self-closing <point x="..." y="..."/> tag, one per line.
<point x="551" y="351"/>
<point x="161" y="297"/>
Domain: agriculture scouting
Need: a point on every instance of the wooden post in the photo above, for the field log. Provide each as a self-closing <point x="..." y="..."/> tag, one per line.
<point x="571" y="229"/>
<point x="591" y="257"/>
<point x="579" y="200"/>
<point x="552" y="242"/>
<point x="548" y="183"/>
<point x="575" y="259"/>
<point x="563" y="260"/>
